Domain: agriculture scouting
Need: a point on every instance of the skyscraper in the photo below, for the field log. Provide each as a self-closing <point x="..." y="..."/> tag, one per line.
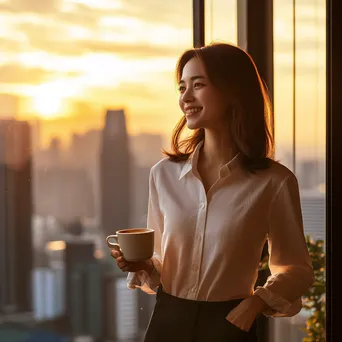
<point x="15" y="216"/>
<point x="313" y="208"/>
<point x="9" y="106"/>
<point x="115" y="173"/>
<point x="146" y="148"/>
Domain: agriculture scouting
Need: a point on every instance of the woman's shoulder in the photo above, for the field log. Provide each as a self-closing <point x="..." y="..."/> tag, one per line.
<point x="166" y="167"/>
<point x="278" y="173"/>
<point x="161" y="165"/>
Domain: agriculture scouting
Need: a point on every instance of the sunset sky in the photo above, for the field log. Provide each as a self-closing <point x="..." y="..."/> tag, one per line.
<point x="69" y="60"/>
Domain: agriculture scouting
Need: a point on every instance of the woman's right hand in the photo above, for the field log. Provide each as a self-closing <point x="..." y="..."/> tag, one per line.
<point x="130" y="266"/>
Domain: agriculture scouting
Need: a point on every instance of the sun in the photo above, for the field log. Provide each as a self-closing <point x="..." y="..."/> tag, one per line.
<point x="48" y="105"/>
<point x="50" y="100"/>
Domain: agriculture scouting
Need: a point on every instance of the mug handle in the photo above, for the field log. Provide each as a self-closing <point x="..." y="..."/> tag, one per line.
<point x="113" y="245"/>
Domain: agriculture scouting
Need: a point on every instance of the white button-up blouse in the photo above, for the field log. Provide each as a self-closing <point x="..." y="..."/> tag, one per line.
<point x="208" y="246"/>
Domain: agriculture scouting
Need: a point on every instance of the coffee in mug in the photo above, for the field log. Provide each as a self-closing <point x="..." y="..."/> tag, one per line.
<point x="135" y="244"/>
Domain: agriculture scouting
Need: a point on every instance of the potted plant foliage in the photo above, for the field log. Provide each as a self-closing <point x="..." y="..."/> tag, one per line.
<point x="314" y="299"/>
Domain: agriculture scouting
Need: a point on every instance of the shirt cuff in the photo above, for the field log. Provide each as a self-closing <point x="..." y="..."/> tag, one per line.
<point x="278" y="306"/>
<point x="144" y="281"/>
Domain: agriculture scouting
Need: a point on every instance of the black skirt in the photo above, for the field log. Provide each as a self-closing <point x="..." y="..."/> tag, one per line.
<point x="181" y="320"/>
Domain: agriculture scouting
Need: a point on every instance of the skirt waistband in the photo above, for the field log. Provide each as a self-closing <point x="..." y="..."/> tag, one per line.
<point x="229" y="304"/>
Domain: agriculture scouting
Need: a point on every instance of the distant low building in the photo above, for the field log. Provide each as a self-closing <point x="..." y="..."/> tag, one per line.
<point x="146" y="149"/>
<point x="9" y="106"/>
<point x="64" y="193"/>
<point x="313" y="210"/>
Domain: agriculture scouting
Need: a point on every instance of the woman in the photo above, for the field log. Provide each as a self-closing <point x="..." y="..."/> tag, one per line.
<point x="214" y="202"/>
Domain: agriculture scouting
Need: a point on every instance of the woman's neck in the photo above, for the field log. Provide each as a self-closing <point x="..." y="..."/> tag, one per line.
<point x="217" y="149"/>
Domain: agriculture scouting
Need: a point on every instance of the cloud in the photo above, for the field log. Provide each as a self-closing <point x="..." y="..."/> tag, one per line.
<point x="14" y="73"/>
<point x="126" y="90"/>
<point x="78" y="48"/>
<point x="41" y="30"/>
<point x="18" y="74"/>
<point x="126" y="50"/>
<point x="31" y="6"/>
<point x="10" y="45"/>
<point x="55" y="39"/>
<point x="172" y="13"/>
<point x="82" y="15"/>
<point x="177" y="13"/>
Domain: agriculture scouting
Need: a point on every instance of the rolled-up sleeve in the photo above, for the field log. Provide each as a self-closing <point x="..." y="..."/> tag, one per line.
<point x="155" y="220"/>
<point x="289" y="261"/>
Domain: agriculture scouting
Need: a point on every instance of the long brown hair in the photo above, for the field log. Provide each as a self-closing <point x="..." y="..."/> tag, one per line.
<point x="232" y="71"/>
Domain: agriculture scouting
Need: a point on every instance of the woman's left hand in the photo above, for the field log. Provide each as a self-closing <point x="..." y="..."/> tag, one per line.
<point x="244" y="314"/>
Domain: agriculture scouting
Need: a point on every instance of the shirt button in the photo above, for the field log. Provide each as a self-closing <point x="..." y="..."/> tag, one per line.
<point x="202" y="205"/>
<point x="194" y="267"/>
<point x="199" y="237"/>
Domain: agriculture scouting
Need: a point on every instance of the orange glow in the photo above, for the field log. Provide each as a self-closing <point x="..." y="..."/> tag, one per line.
<point x="55" y="245"/>
<point x="99" y="254"/>
<point x="48" y="105"/>
<point x="49" y="99"/>
<point x="115" y="55"/>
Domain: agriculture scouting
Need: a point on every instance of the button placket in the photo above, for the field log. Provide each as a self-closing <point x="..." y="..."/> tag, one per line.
<point x="198" y="246"/>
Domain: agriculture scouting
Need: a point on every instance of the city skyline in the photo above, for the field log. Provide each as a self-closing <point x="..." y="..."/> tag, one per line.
<point x="63" y="175"/>
<point x="70" y="60"/>
<point x="88" y="100"/>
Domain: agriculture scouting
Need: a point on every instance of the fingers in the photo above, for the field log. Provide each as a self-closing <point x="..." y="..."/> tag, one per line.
<point x="120" y="261"/>
<point x="123" y="264"/>
<point x="115" y="253"/>
<point x="126" y="266"/>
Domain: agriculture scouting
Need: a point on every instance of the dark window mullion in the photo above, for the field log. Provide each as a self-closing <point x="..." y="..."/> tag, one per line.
<point x="198" y="23"/>
<point x="333" y="166"/>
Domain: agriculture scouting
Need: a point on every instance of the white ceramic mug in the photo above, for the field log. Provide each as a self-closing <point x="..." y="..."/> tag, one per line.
<point x="135" y="244"/>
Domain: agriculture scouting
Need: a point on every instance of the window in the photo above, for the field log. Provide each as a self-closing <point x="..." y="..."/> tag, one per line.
<point x="221" y="21"/>
<point x="95" y="81"/>
<point x="300" y="119"/>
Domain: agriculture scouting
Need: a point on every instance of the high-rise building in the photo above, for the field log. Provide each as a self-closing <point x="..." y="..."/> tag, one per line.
<point x="146" y="148"/>
<point x="308" y="174"/>
<point x="146" y="151"/>
<point x="9" y="106"/>
<point x="115" y="173"/>
<point x="15" y="216"/>
<point x="313" y="209"/>
<point x="64" y="193"/>
<point x="84" y="154"/>
<point x="139" y="196"/>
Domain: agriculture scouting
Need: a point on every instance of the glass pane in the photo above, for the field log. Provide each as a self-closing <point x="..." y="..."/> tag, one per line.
<point x="283" y="82"/>
<point x="300" y="99"/>
<point x="221" y="21"/>
<point x="95" y="81"/>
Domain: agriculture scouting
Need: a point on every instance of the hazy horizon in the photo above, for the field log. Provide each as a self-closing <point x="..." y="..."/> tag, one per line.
<point x="70" y="60"/>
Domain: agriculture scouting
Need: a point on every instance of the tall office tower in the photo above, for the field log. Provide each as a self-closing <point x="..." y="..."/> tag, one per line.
<point x="308" y="176"/>
<point x="139" y="196"/>
<point x="15" y="216"/>
<point x="9" y="106"/>
<point x="115" y="173"/>
<point x="77" y="252"/>
<point x="313" y="209"/>
<point x="146" y="148"/>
